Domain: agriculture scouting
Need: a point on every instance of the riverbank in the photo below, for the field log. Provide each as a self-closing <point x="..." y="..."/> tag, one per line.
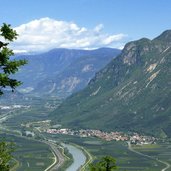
<point x="68" y="158"/>
<point x="89" y="158"/>
<point x="78" y="157"/>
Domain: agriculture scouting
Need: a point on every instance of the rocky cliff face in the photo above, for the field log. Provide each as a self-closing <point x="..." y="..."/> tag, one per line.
<point x="131" y="93"/>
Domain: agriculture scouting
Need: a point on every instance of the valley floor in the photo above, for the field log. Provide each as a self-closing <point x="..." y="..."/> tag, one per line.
<point x="35" y="153"/>
<point x="167" y="165"/>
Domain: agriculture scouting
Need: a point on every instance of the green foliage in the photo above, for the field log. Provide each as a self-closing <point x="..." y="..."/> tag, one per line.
<point x="107" y="163"/>
<point x="5" y="155"/>
<point x="7" y="66"/>
<point x="8" y="33"/>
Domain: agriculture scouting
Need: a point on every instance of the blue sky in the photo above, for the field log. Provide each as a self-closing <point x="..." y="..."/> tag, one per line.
<point x="109" y="22"/>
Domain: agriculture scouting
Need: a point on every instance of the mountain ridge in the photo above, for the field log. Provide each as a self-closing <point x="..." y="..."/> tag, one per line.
<point x="131" y="93"/>
<point x="50" y="72"/>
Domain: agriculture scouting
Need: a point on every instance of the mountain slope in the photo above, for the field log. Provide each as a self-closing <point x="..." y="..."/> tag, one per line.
<point x="62" y="71"/>
<point x="132" y="93"/>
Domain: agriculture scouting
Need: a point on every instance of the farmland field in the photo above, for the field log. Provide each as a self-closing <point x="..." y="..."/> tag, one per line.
<point x="160" y="151"/>
<point x="126" y="159"/>
<point x="31" y="155"/>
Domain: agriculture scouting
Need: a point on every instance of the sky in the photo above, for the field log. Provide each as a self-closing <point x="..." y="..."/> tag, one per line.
<point x="83" y="24"/>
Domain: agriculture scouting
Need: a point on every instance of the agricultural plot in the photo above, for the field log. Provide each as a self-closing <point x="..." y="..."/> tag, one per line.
<point x="30" y="155"/>
<point x="126" y="159"/>
<point x="160" y="151"/>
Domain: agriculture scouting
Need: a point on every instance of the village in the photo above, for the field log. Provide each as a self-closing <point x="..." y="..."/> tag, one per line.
<point x="133" y="138"/>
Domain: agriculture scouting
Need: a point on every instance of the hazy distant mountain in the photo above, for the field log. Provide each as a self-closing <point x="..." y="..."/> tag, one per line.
<point x="60" y="72"/>
<point x="133" y="92"/>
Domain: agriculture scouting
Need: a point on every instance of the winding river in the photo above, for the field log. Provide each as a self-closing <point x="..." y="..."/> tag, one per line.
<point x="78" y="156"/>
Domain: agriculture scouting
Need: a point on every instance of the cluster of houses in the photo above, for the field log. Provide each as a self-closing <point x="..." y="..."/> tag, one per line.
<point x="3" y="107"/>
<point x="108" y="136"/>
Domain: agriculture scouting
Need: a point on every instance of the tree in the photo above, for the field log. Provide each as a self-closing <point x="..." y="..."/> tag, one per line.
<point x="6" y="148"/>
<point x="107" y="163"/>
<point x="7" y="66"/>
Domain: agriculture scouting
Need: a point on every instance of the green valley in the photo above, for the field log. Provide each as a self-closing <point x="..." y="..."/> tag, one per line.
<point x="123" y="111"/>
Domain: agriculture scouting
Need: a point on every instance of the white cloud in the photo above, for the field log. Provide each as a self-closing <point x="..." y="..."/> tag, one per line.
<point x="98" y="28"/>
<point x="47" y="33"/>
<point x="113" y="38"/>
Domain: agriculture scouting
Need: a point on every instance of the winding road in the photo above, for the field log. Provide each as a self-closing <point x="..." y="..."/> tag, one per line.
<point x="145" y="155"/>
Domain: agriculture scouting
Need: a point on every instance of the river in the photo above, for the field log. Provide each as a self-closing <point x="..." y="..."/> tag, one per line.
<point x="78" y="156"/>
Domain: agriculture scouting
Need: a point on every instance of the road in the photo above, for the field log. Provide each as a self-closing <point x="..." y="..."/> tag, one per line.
<point x="59" y="158"/>
<point x="145" y="155"/>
